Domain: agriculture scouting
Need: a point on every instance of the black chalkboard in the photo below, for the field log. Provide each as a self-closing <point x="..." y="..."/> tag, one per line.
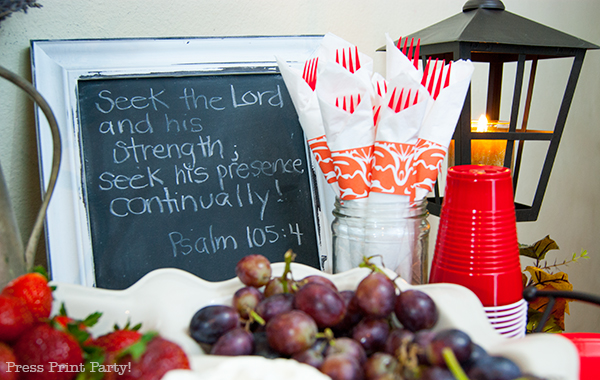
<point x="193" y="172"/>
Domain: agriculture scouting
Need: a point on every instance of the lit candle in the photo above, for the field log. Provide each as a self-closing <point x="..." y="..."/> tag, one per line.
<point x="484" y="152"/>
<point x="487" y="152"/>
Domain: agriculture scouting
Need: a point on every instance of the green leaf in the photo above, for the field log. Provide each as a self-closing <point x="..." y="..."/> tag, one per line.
<point x="63" y="310"/>
<point x="91" y="319"/>
<point x="41" y="270"/>
<point x="539" y="249"/>
<point x="80" y="335"/>
<point x="92" y="354"/>
<point x="137" y="349"/>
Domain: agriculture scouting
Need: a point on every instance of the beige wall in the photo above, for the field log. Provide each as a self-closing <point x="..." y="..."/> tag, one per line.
<point x="570" y="207"/>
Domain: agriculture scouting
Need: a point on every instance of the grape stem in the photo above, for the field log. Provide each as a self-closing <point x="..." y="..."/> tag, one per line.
<point x="366" y="263"/>
<point x="255" y="317"/>
<point x="328" y="335"/>
<point x="453" y="364"/>
<point x="288" y="257"/>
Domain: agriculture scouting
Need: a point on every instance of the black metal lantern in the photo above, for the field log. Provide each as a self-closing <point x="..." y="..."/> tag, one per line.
<point x="486" y="32"/>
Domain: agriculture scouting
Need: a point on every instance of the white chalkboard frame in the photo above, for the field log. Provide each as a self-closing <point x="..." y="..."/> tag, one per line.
<point x="57" y="65"/>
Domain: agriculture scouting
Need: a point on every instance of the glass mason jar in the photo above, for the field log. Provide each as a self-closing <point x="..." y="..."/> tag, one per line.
<point x="395" y="233"/>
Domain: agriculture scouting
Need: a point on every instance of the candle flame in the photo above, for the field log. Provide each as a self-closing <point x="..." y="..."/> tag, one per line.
<point x="482" y="124"/>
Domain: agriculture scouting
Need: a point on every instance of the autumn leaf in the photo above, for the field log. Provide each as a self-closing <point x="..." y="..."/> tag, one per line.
<point x="539" y="249"/>
<point x="533" y="320"/>
<point x="546" y="281"/>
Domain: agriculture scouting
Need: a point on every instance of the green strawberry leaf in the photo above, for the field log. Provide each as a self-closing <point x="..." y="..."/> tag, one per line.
<point x="91" y="319"/>
<point x="95" y="355"/>
<point x="63" y="310"/>
<point x="137" y="349"/>
<point x="41" y="270"/>
<point x="127" y="326"/>
<point x="80" y="335"/>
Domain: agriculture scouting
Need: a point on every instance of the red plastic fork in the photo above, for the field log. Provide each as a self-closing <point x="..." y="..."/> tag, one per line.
<point x="351" y="62"/>
<point x="310" y="72"/>
<point x="411" y="53"/>
<point x="432" y="78"/>
<point x="348" y="103"/>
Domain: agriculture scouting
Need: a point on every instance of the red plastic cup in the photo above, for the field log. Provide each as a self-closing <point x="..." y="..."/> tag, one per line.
<point x="588" y="347"/>
<point x="493" y="287"/>
<point x="477" y="244"/>
<point x="479" y="188"/>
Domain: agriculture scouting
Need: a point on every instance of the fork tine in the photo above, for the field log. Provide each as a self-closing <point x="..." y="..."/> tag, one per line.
<point x="350" y="61"/>
<point x="425" y="72"/>
<point x="416" y="56"/>
<point x="447" y="82"/>
<point x="310" y="72"/>
<point x="399" y="104"/>
<point x="391" y="103"/>
<point x="376" y="115"/>
<point x="410" y="50"/>
<point x="406" y="104"/>
<point x="399" y="43"/>
<point x="404" y="48"/>
<point x="357" y="65"/>
<point x="432" y="80"/>
<point x="439" y="81"/>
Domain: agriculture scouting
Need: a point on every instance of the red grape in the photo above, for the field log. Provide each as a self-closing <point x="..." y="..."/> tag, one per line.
<point x="342" y="367"/>
<point x="422" y="340"/>
<point x="376" y="295"/>
<point x="212" y="321"/>
<point x="233" y="343"/>
<point x="291" y="332"/>
<point x="347" y="346"/>
<point x="495" y="368"/>
<point x="371" y="333"/>
<point x="398" y="338"/>
<point x="262" y="347"/>
<point x="319" y="279"/>
<point x="254" y="270"/>
<point x="416" y="310"/>
<point x="353" y="313"/>
<point x="246" y="299"/>
<point x="379" y="364"/>
<point x="458" y="341"/>
<point x="311" y="356"/>
<point x="275" y="305"/>
<point x="322" y="303"/>
<point x="275" y="286"/>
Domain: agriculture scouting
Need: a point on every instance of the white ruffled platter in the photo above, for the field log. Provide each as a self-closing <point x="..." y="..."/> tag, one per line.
<point x="166" y="299"/>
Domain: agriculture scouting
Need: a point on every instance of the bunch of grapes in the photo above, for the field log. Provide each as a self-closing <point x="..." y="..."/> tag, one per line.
<point x="374" y="332"/>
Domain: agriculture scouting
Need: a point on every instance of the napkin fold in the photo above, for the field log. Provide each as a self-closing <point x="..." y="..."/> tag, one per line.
<point x="438" y="127"/>
<point x="309" y="115"/>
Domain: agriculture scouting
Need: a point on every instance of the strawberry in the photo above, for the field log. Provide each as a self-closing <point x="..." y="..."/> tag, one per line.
<point x="151" y="357"/>
<point x="55" y="354"/>
<point x="33" y="288"/>
<point x="111" y="346"/>
<point x="15" y="318"/>
<point x="76" y="327"/>
<point x="117" y="340"/>
<point x="7" y="363"/>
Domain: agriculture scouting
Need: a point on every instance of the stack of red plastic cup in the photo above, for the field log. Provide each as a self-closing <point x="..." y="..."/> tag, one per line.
<point x="477" y="244"/>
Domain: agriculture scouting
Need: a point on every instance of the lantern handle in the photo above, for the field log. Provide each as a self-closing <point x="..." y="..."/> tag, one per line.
<point x="24" y="85"/>
<point x="484" y="4"/>
<point x="531" y="293"/>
